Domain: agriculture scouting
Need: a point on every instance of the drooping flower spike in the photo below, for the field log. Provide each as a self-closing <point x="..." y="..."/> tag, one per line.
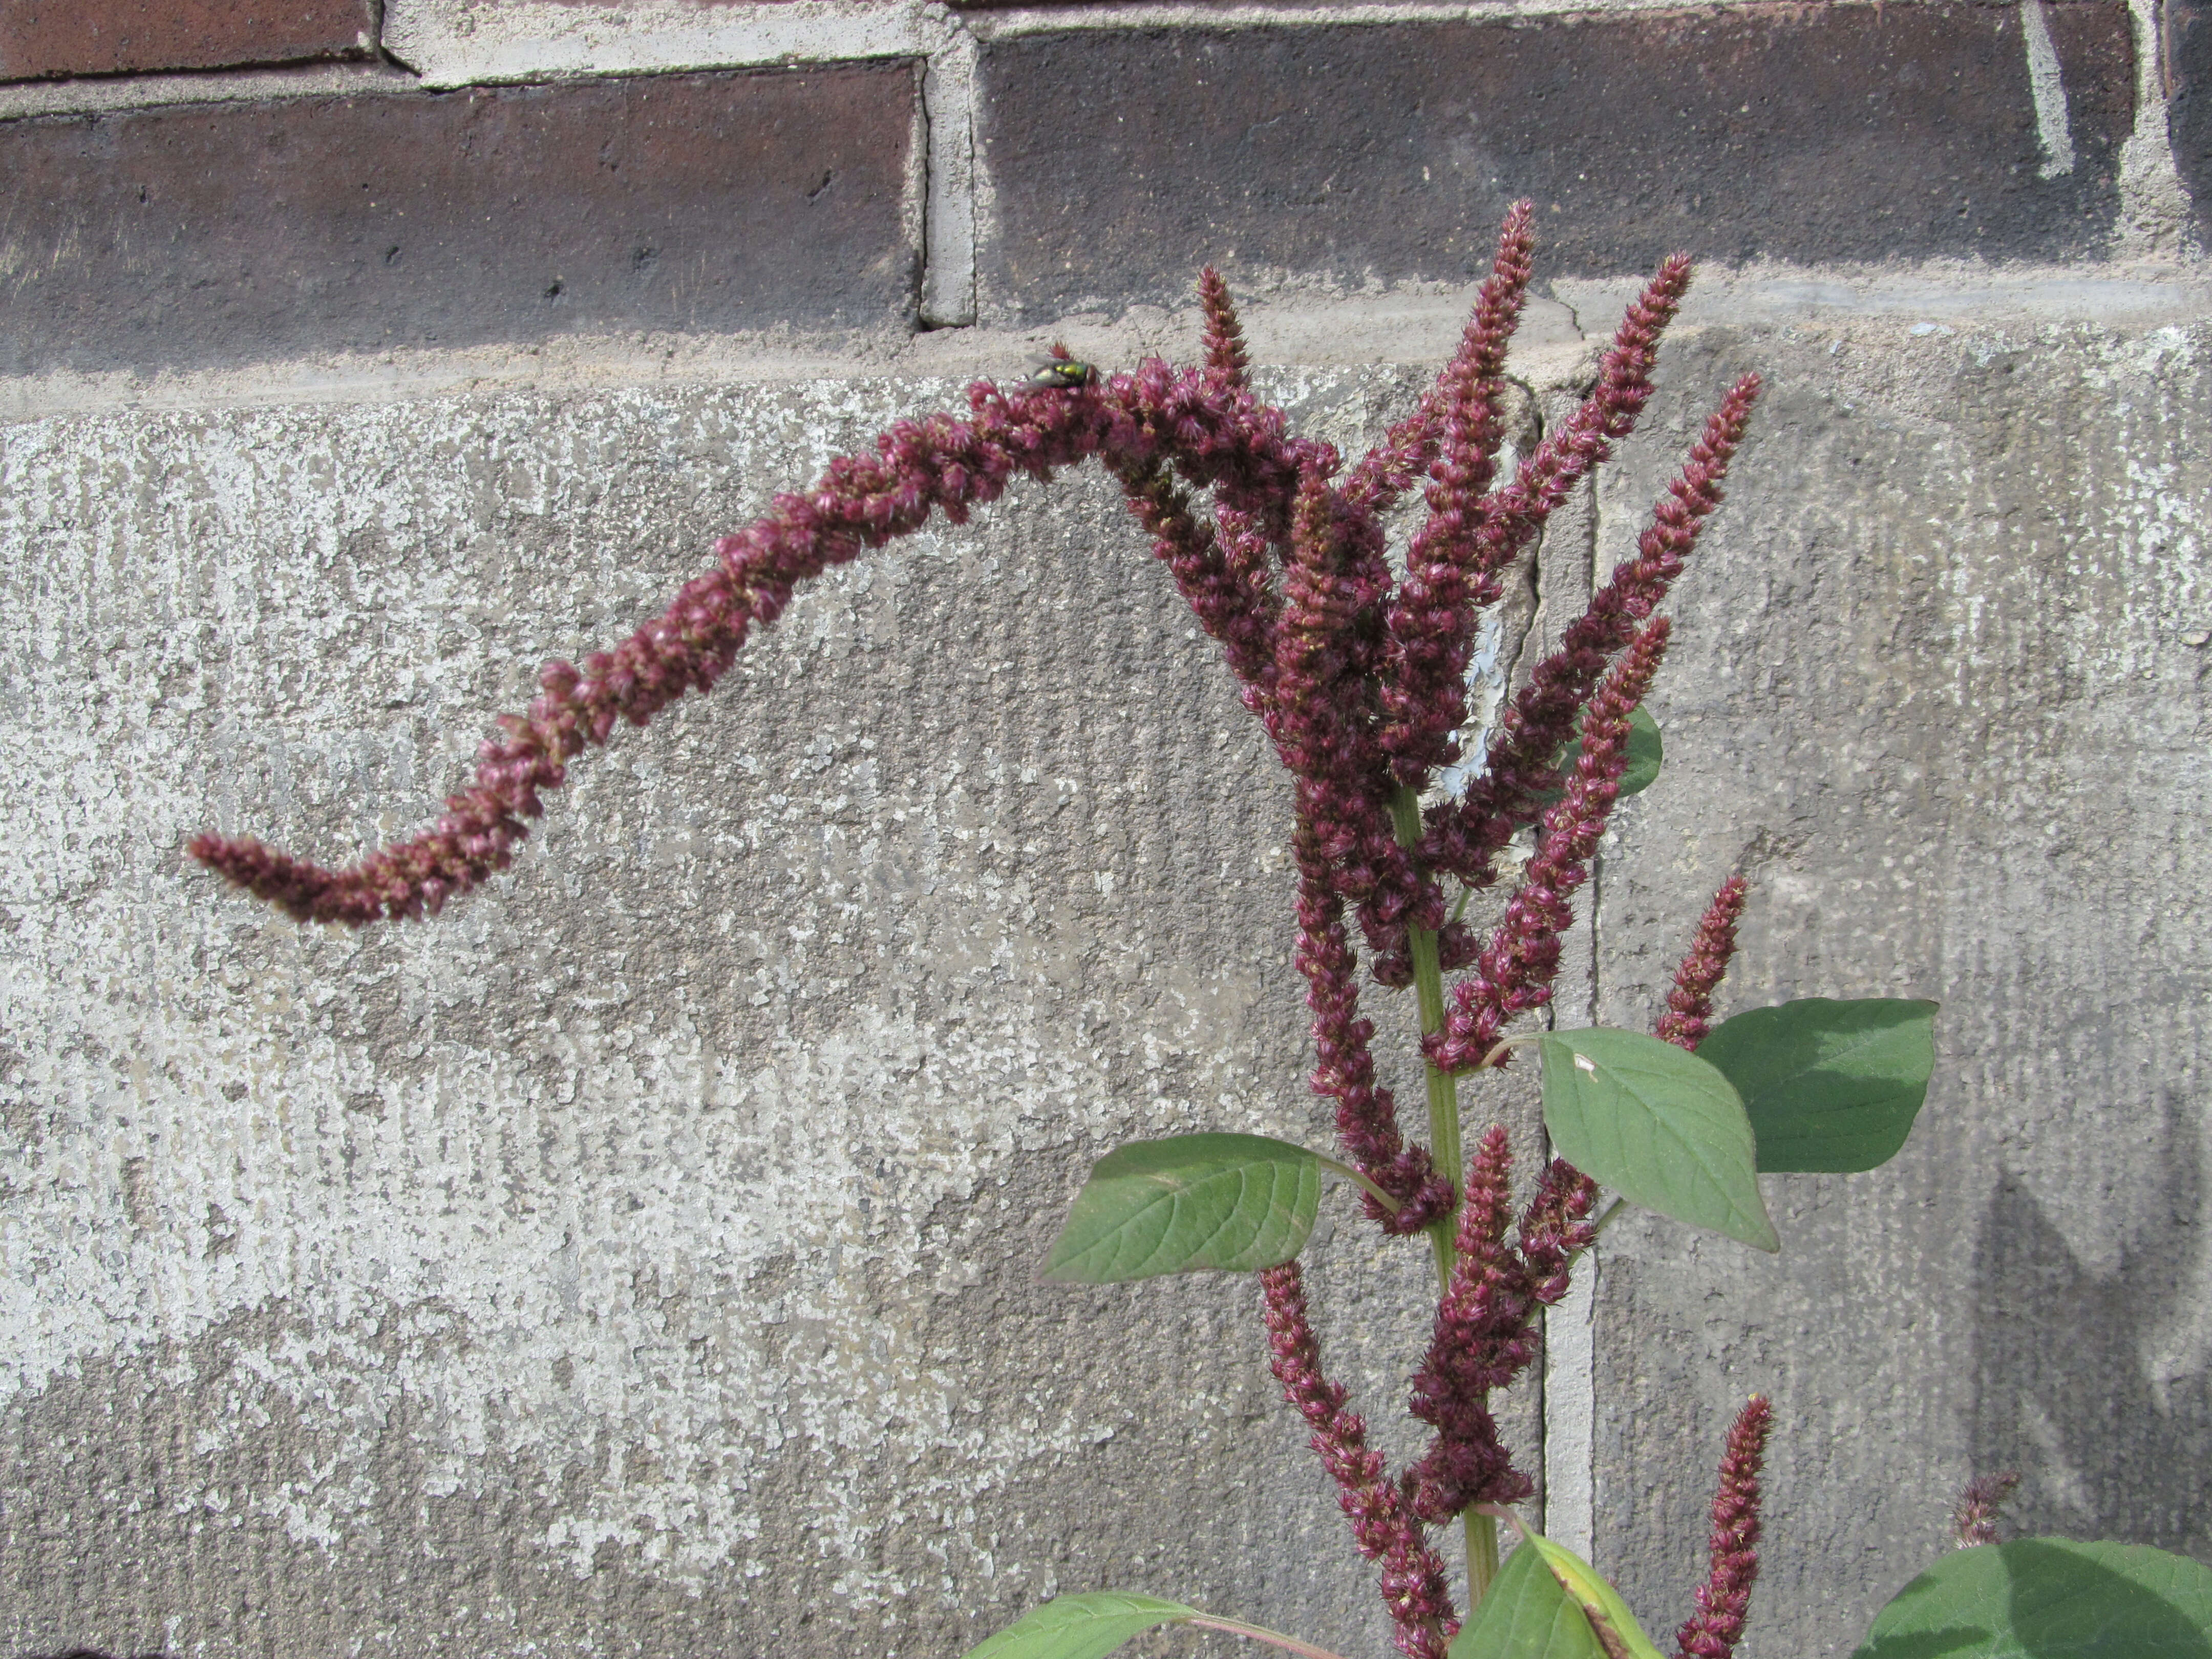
<point x="1382" y="1524"/>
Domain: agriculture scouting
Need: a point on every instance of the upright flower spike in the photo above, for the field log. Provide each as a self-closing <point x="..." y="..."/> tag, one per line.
<point x="1690" y="1004"/>
<point x="1225" y="361"/>
<point x="1451" y="570"/>
<point x="1540" y="722"/>
<point x="1386" y="471"/>
<point x="1556" y="1227"/>
<point x="1712" y="1632"/>
<point x="1486" y="1332"/>
<point x="1514" y="972"/>
<point x="1976" y="1520"/>
<point x="1413" y="1586"/>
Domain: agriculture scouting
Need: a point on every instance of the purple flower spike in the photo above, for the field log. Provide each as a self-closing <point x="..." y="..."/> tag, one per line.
<point x="1540" y="721"/>
<point x="1228" y="595"/>
<point x="1385" y="1529"/>
<point x="1712" y="1632"/>
<point x="1225" y="361"/>
<point x="1451" y="568"/>
<point x="1976" y="1520"/>
<point x="1556" y="1227"/>
<point x="1690" y="1004"/>
<point x="1483" y="1337"/>
<point x="1366" y="1113"/>
<point x="1517" y="967"/>
<point x="1389" y="469"/>
<point x="920" y="466"/>
<point x="1328" y="647"/>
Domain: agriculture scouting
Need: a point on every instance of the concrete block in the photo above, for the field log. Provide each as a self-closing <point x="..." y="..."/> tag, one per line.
<point x="1938" y="686"/>
<point x="639" y="1259"/>
<point x="41" y="39"/>
<point x="194" y="236"/>
<point x="1120" y="161"/>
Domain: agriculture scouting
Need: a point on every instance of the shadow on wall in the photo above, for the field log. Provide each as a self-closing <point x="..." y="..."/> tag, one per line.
<point x="2064" y="1386"/>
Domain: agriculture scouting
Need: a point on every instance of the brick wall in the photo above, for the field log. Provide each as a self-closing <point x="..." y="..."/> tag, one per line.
<point x="445" y="174"/>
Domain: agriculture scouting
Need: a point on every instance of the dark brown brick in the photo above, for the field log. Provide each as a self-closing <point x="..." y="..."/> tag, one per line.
<point x="2186" y="40"/>
<point x="224" y="234"/>
<point x="1123" y="160"/>
<point x="44" y="38"/>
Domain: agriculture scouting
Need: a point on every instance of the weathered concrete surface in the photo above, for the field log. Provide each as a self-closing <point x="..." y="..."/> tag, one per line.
<point x="1940" y="688"/>
<point x="639" y="1258"/>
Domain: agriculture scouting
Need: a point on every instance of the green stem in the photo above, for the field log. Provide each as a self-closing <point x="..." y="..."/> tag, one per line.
<point x="1481" y="1557"/>
<point x="1450" y="1161"/>
<point x="1443" y="1090"/>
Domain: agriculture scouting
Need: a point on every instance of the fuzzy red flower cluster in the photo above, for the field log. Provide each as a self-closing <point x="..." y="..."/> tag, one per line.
<point x="1357" y="668"/>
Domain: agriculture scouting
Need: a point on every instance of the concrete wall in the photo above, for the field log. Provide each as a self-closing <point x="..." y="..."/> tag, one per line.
<point x="640" y="1258"/>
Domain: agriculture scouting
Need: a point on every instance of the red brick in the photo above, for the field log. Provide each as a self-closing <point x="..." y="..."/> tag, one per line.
<point x="40" y="38"/>
<point x="1123" y="160"/>
<point x="207" y="235"/>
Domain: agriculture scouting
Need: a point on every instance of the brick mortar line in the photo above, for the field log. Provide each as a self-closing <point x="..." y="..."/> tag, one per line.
<point x="1409" y="329"/>
<point x="1013" y="22"/>
<point x="545" y="40"/>
<point x="94" y="95"/>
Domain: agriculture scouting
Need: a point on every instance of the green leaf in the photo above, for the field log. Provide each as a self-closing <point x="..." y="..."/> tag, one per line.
<point x="2049" y="1598"/>
<point x="1600" y="1603"/>
<point x="1081" y="1626"/>
<point x="1526" y="1615"/>
<point x="1646" y="751"/>
<point x="1237" y="1202"/>
<point x="1663" y="1128"/>
<point x="1829" y="1085"/>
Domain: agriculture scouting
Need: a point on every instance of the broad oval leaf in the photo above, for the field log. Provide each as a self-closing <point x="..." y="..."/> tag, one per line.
<point x="1526" y="1615"/>
<point x="1661" y="1126"/>
<point x="1829" y="1085"/>
<point x="1645" y="752"/>
<point x="1235" y="1202"/>
<point x="2049" y="1598"/>
<point x="1081" y="1626"/>
<point x="1600" y="1603"/>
